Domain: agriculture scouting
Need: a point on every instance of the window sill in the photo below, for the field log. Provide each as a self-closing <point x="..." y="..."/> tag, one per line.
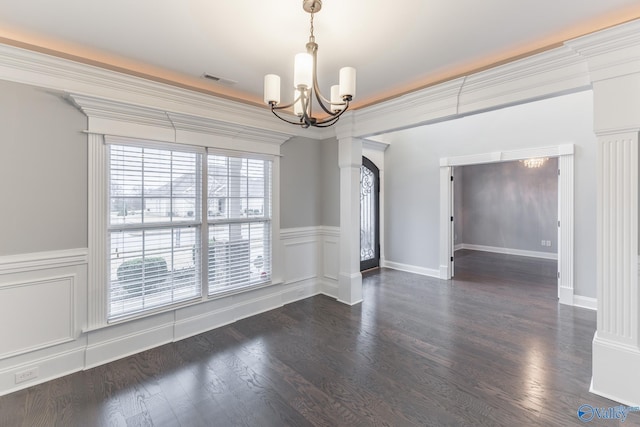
<point x="189" y="303"/>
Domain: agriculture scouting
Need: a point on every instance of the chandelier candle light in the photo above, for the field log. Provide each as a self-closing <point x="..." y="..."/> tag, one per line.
<point x="305" y="83"/>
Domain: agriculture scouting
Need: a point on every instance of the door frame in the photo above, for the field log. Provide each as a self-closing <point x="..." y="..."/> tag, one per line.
<point x="565" y="154"/>
<point x="375" y="262"/>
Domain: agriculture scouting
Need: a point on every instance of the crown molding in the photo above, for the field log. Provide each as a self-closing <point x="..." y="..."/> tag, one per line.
<point x="426" y="105"/>
<point x="568" y="68"/>
<point x="550" y="73"/>
<point x="612" y="52"/>
<point x="117" y="118"/>
<point x="546" y="74"/>
<point x="65" y="76"/>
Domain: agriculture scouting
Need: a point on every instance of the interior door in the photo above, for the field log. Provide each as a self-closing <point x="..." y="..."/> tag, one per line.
<point x="369" y="215"/>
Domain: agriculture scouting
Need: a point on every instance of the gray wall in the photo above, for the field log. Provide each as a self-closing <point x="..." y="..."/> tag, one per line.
<point x="300" y="168"/>
<point x="43" y="175"/>
<point x="412" y="174"/>
<point x="507" y="205"/>
<point x="43" y="172"/>
<point x="309" y="183"/>
<point x="330" y="175"/>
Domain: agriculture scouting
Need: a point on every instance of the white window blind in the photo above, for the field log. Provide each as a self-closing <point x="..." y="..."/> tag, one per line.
<point x="156" y="231"/>
<point x="239" y="219"/>
<point x="154" y="228"/>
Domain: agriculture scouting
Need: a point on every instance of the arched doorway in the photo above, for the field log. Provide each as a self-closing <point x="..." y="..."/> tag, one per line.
<point x="369" y="215"/>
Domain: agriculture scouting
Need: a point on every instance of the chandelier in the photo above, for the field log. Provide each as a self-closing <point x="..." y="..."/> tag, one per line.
<point x="305" y="83"/>
<point x="535" y="162"/>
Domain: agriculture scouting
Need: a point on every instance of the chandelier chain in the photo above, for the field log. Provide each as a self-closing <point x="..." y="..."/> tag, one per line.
<point x="311" y="36"/>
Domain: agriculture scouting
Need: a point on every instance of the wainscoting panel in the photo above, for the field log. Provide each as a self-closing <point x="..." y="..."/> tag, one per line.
<point x="330" y="260"/>
<point x="43" y="311"/>
<point x="301" y="260"/>
<point x="331" y="248"/>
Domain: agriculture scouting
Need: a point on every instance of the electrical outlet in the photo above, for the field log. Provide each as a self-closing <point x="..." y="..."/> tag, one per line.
<point x="548" y="242"/>
<point x="542" y="243"/>
<point x="26" y="375"/>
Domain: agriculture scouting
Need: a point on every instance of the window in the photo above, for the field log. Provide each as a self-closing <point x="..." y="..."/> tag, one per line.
<point x="157" y="227"/>
<point x="239" y="218"/>
<point x="154" y="227"/>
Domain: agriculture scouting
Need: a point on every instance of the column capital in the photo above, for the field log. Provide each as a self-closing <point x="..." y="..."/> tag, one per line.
<point x="349" y="152"/>
<point x="345" y="127"/>
<point x="616" y="104"/>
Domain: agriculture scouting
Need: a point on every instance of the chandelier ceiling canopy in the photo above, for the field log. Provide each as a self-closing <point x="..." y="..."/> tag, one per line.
<point x="305" y="85"/>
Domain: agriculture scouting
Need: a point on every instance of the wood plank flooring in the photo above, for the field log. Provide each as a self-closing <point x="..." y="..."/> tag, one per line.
<point x="490" y="348"/>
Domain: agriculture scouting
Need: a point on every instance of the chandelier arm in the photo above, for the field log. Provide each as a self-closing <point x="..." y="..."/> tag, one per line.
<point x="312" y="48"/>
<point x="286" y="120"/>
<point x="305" y="100"/>
<point x="331" y="119"/>
<point x="284" y="107"/>
<point x="319" y="97"/>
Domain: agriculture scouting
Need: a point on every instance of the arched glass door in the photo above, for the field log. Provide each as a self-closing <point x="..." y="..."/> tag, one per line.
<point x="369" y="215"/>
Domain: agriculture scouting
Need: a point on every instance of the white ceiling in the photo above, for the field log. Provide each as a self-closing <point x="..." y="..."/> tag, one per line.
<point x="395" y="46"/>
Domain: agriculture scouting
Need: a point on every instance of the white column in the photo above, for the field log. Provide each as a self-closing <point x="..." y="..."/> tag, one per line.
<point x="97" y="225"/>
<point x="349" y="277"/>
<point x="446" y="200"/>
<point x="616" y="354"/>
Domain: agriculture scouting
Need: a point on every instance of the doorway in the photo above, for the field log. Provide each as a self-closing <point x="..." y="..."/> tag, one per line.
<point x="564" y="153"/>
<point x="508" y="208"/>
<point x="369" y="215"/>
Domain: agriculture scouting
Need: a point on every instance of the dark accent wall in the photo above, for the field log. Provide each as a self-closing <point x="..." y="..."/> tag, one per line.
<point x="507" y="205"/>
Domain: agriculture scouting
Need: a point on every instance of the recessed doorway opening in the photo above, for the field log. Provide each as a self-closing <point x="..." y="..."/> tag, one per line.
<point x="505" y="217"/>
<point x="565" y="220"/>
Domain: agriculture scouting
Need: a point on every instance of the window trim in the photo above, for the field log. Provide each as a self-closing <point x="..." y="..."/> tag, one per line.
<point x="98" y="287"/>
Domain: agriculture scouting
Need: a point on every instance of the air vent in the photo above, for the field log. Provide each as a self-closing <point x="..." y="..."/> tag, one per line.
<point x="219" y="79"/>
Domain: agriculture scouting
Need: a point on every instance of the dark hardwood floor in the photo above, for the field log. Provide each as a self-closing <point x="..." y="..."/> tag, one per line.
<point x="491" y="348"/>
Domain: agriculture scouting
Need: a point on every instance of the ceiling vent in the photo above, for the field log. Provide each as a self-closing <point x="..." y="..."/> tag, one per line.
<point x="219" y="80"/>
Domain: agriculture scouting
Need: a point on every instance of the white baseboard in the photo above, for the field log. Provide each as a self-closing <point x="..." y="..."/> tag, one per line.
<point x="329" y="288"/>
<point x="613" y="374"/>
<point x="49" y="368"/>
<point x="423" y="271"/>
<point x="585" y="302"/>
<point x="507" y="251"/>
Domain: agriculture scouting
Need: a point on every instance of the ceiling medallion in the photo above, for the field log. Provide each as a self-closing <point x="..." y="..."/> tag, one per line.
<point x="305" y="83"/>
